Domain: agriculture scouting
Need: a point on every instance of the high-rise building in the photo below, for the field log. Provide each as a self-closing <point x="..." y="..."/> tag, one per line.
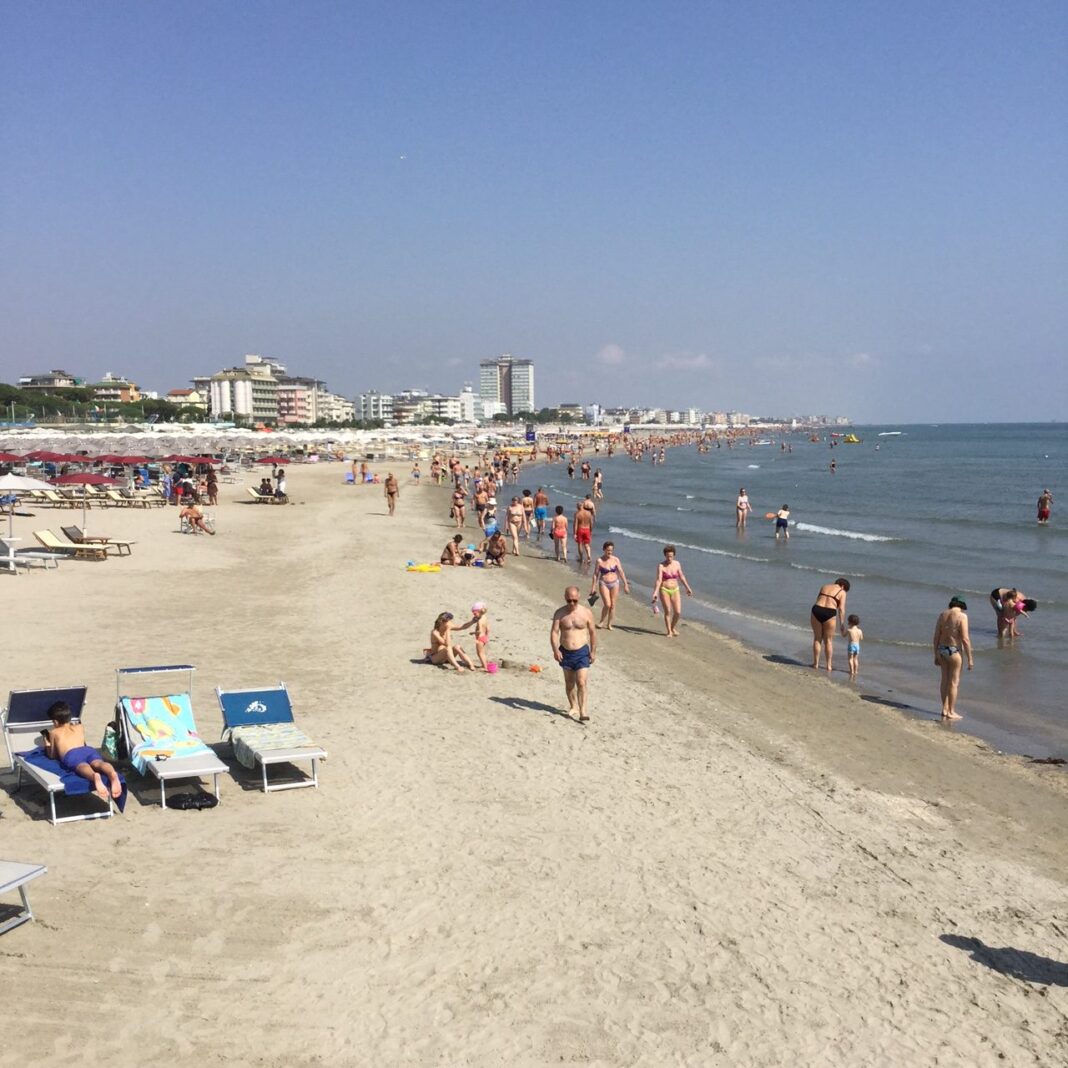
<point x="509" y="382"/>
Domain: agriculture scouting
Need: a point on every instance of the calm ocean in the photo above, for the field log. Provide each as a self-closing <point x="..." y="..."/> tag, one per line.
<point x="910" y="518"/>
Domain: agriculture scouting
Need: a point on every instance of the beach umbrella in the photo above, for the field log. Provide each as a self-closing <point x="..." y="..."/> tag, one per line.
<point x="83" y="479"/>
<point x="12" y="484"/>
<point x="274" y="460"/>
<point x="9" y="458"/>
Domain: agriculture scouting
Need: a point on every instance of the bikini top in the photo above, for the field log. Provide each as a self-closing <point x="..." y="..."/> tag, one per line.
<point x="607" y="570"/>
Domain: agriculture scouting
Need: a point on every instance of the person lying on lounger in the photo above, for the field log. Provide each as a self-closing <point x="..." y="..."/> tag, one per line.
<point x="65" y="742"/>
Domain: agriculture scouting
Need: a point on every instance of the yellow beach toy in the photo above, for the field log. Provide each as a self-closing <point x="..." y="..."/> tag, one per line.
<point x="424" y="568"/>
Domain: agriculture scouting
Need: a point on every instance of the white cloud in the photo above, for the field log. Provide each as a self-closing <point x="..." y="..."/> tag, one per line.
<point x="685" y="361"/>
<point x="862" y="359"/>
<point x="611" y="355"/>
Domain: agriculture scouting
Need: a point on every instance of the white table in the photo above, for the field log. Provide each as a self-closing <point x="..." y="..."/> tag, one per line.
<point x="15" y="876"/>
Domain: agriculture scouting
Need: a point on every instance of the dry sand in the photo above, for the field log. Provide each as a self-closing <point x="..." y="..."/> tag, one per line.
<point x="736" y="863"/>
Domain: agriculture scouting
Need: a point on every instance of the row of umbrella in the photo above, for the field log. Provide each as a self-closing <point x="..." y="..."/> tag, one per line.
<point x="41" y="456"/>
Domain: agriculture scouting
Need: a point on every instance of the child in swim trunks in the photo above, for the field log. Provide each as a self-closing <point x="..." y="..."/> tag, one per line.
<point x="482" y="633"/>
<point x="65" y="742"/>
<point x="855" y="636"/>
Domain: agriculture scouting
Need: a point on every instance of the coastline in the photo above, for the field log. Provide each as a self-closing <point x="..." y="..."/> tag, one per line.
<point x="733" y="864"/>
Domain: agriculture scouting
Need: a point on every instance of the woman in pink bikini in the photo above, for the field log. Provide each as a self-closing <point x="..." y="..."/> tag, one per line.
<point x="668" y="578"/>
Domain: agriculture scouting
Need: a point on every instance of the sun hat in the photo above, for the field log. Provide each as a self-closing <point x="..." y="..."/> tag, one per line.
<point x="478" y="606"/>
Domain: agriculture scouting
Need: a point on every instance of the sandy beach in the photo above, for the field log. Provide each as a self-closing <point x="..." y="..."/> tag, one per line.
<point x="734" y="863"/>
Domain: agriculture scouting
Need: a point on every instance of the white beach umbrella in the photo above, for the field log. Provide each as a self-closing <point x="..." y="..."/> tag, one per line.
<point x="12" y="484"/>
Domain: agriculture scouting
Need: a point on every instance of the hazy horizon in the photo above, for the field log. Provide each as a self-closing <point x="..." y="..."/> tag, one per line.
<point x="833" y="209"/>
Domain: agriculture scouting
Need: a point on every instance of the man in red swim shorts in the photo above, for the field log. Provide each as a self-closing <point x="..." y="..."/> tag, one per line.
<point x="583" y="526"/>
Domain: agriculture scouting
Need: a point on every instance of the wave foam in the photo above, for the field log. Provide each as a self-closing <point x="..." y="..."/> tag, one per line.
<point x="639" y="536"/>
<point x="856" y="535"/>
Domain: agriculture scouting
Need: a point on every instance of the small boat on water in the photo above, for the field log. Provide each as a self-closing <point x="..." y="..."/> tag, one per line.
<point x="764" y="441"/>
<point x="852" y="439"/>
<point x="889" y="433"/>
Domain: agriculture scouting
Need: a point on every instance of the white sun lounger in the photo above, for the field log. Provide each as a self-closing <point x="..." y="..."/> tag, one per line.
<point x="163" y="724"/>
<point x="24" y="718"/>
<point x="260" y="726"/>
<point x="15" y="876"/>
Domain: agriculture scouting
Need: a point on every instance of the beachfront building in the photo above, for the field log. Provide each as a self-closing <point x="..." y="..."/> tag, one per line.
<point x="114" y="390"/>
<point x="574" y="412"/>
<point x="509" y="382"/>
<point x="53" y="380"/>
<point x="373" y="406"/>
<point x="188" y="398"/>
<point x="738" y="419"/>
<point x="245" y="393"/>
<point x="298" y="400"/>
<point x="411" y="406"/>
<point x="334" y="408"/>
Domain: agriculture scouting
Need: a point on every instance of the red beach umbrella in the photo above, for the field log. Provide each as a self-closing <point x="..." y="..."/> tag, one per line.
<point x="131" y="460"/>
<point x="274" y="460"/>
<point x="42" y="456"/>
<point x="9" y="458"/>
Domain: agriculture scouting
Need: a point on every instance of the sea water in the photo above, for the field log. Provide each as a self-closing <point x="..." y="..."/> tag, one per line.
<point x="911" y="516"/>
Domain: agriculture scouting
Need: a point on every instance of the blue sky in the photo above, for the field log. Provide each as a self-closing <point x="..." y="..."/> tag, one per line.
<point x="848" y="207"/>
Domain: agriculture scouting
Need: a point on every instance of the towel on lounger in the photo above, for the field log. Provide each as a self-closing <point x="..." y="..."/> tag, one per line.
<point x="73" y="783"/>
<point x="263" y="737"/>
<point x="161" y="727"/>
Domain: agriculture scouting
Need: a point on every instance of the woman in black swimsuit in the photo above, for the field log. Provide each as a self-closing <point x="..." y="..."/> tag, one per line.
<point x="830" y="602"/>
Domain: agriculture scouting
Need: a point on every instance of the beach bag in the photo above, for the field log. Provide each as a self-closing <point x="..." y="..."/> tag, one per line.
<point x="193" y="802"/>
<point x="112" y="743"/>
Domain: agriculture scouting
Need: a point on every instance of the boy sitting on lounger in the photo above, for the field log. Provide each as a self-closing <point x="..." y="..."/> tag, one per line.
<point x="65" y="742"/>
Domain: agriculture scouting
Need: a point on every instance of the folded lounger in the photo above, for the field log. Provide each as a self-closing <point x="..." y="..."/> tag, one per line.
<point x="260" y="726"/>
<point x="77" y="536"/>
<point x="24" y="718"/>
<point x="161" y="733"/>
<point x="15" y="876"/>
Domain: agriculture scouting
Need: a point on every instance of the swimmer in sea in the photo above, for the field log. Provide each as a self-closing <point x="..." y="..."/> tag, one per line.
<point x="742" y="508"/>
<point x="951" y="644"/>
<point x="608" y="577"/>
<point x="830" y="603"/>
<point x="669" y="576"/>
<point x="1045" y="506"/>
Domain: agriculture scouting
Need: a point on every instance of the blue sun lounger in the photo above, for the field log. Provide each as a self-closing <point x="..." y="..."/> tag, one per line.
<point x="160" y="730"/>
<point x="24" y="718"/>
<point x="260" y="726"/>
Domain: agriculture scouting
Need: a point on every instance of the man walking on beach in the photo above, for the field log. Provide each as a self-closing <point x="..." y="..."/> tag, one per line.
<point x="574" y="641"/>
<point x="392" y="492"/>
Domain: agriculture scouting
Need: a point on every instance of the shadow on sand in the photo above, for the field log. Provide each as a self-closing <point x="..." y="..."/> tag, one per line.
<point x="534" y="706"/>
<point x="789" y="661"/>
<point x="1015" y="963"/>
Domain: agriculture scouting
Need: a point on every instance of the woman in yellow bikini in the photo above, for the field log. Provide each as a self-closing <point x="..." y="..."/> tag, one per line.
<point x="668" y="578"/>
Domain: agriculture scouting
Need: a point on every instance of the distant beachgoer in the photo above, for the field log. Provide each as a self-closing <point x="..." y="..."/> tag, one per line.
<point x="854" y="635"/>
<point x="598" y="485"/>
<point x="669" y="577"/>
<point x="573" y="638"/>
<point x="608" y="576"/>
<point x="541" y="511"/>
<point x="570" y="468"/>
<point x="392" y="492"/>
<point x="213" y="488"/>
<point x="834" y="466"/>
<point x="1009" y="604"/>
<point x="452" y="554"/>
<point x="265" y="490"/>
<point x="481" y="499"/>
<point x="482" y="633"/>
<point x="458" y="506"/>
<point x="951" y="644"/>
<point x="192" y="514"/>
<point x="559" y="534"/>
<point x="65" y="742"/>
<point x="1045" y="506"/>
<point x="515" y="523"/>
<point x="742" y="508"/>
<point x="583" y="527"/>
<point x="528" y="512"/>
<point x="830" y="602"/>
<point x="442" y="650"/>
<point x="782" y="522"/>
<point x="495" y="548"/>
<point x="416" y="473"/>
<point x="280" y="485"/>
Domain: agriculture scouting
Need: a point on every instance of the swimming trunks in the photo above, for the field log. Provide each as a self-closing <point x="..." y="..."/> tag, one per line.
<point x="852" y="648"/>
<point x="82" y="754"/>
<point x="1043" y="513"/>
<point x="824" y="614"/>
<point x="781" y="524"/>
<point x="575" y="659"/>
<point x="583" y="535"/>
<point x="540" y="513"/>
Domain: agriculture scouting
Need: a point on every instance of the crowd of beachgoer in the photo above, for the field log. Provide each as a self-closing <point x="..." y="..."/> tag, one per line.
<point x="530" y="517"/>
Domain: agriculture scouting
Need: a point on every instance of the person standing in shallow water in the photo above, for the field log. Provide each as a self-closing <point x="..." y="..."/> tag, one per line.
<point x="830" y="603"/>
<point x="951" y="645"/>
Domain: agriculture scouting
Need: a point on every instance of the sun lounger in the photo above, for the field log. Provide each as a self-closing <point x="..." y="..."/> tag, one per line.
<point x="15" y="876"/>
<point x="77" y="536"/>
<point x="11" y="557"/>
<point x="53" y="542"/>
<point x="56" y="499"/>
<point x="24" y="718"/>
<point x="261" y="498"/>
<point x="260" y="726"/>
<point x="161" y="732"/>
